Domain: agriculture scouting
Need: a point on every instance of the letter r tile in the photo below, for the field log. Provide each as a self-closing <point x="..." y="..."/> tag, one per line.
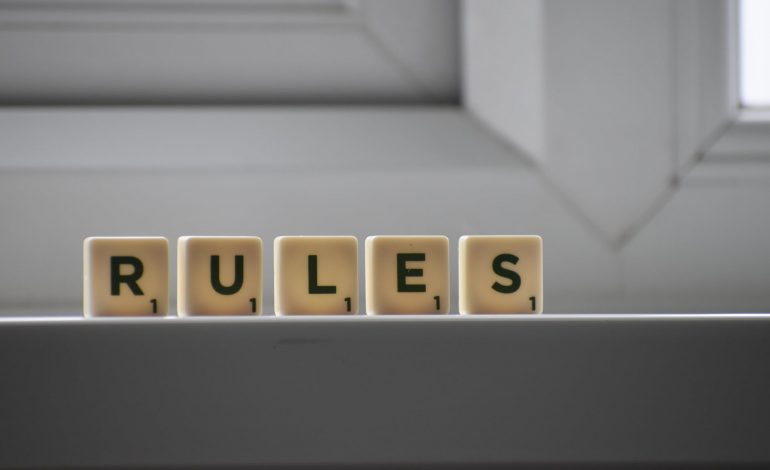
<point x="219" y="276"/>
<point x="125" y="276"/>
<point x="407" y="275"/>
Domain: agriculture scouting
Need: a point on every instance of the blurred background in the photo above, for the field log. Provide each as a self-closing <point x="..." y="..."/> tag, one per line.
<point x="631" y="135"/>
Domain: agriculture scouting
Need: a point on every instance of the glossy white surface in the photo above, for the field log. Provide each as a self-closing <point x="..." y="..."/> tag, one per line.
<point x="483" y="390"/>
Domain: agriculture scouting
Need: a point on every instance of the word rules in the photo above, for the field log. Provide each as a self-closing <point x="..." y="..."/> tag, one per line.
<point x="313" y="275"/>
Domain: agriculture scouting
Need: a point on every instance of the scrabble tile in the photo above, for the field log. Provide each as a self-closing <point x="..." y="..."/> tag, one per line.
<point x="219" y="276"/>
<point x="125" y="276"/>
<point x="501" y="274"/>
<point x="407" y="275"/>
<point x="316" y="275"/>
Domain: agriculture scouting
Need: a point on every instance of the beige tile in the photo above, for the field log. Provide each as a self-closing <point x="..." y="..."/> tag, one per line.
<point x="501" y="274"/>
<point x="316" y="275"/>
<point x="219" y="276"/>
<point x="407" y="275"/>
<point x="125" y="276"/>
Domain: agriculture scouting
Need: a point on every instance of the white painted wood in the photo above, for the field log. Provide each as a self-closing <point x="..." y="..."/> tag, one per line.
<point x="504" y="78"/>
<point x="422" y="39"/>
<point x="732" y="172"/>
<point x="529" y="391"/>
<point x="635" y="95"/>
<point x="616" y="128"/>
<point x="397" y="172"/>
<point x="728" y="144"/>
<point x="747" y="137"/>
<point x="731" y="144"/>
<point x="616" y="101"/>
<point x="42" y="14"/>
<point x="706" y="69"/>
<point x="609" y="109"/>
<point x="586" y="88"/>
<point x="709" y="245"/>
<point x="714" y="128"/>
<point x="257" y="138"/>
<point x="177" y="51"/>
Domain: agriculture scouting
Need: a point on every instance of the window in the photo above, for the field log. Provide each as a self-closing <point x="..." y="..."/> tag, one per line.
<point x="754" y="57"/>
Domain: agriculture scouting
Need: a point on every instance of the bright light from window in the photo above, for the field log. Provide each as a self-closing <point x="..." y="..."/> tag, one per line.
<point x="755" y="52"/>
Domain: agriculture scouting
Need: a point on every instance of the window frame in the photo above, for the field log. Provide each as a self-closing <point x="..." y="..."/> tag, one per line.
<point x="737" y="145"/>
<point x="712" y="135"/>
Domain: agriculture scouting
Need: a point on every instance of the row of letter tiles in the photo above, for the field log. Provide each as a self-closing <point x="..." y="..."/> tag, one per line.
<point x="318" y="275"/>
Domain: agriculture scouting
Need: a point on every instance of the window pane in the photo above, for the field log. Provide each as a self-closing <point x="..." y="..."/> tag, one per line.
<point x="755" y="52"/>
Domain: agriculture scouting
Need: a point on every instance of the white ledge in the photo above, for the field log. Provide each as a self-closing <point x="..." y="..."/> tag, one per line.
<point x="250" y="138"/>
